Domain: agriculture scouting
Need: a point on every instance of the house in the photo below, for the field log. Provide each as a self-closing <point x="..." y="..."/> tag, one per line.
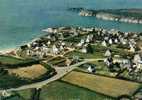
<point x="80" y="44"/>
<point x="49" y="43"/>
<point x="61" y="36"/>
<point x="104" y="44"/>
<point x="91" y="69"/>
<point x="116" y="40"/>
<point x="5" y="93"/>
<point x="28" y="52"/>
<point x="48" y="37"/>
<point x="63" y="43"/>
<point x="54" y="49"/>
<point x="110" y="41"/>
<point x="132" y="49"/>
<point x="68" y="62"/>
<point x="106" y="38"/>
<point x="88" y="39"/>
<point x="107" y="53"/>
<point x="84" y="50"/>
<point x="123" y="41"/>
<point x="109" y="61"/>
<point x="61" y="48"/>
<point x="137" y="59"/>
<point x="126" y="63"/>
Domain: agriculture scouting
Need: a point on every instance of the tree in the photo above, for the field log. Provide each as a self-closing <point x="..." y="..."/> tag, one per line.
<point x="90" y="49"/>
<point x="35" y="94"/>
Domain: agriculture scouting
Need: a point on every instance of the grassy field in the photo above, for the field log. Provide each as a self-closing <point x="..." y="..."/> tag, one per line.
<point x="59" y="90"/>
<point x="9" y="59"/>
<point x="30" y="72"/>
<point x="108" y="86"/>
<point x="99" y="52"/>
<point x="57" y="61"/>
<point x="13" y="62"/>
<point x="84" y="55"/>
<point x="8" y="81"/>
<point x="24" y="75"/>
<point x="101" y="69"/>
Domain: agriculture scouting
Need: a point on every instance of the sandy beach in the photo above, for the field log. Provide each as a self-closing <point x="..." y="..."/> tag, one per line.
<point x="6" y="51"/>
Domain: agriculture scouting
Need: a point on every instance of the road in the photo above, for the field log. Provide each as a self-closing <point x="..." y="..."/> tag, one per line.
<point x="61" y="71"/>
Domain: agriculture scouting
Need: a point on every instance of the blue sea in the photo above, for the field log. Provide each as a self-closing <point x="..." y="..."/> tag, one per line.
<point x="23" y="20"/>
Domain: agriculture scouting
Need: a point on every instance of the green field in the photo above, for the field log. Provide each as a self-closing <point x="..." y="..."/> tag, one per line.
<point x="11" y="80"/>
<point x="83" y="55"/>
<point x="59" y="90"/>
<point x="99" y="52"/>
<point x="9" y="60"/>
<point x="13" y="62"/>
<point x="57" y="60"/>
<point x="105" y="85"/>
<point x="8" y="81"/>
<point x="101" y="69"/>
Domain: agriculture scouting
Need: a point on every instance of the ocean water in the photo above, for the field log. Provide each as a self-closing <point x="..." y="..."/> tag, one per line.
<point x="23" y="20"/>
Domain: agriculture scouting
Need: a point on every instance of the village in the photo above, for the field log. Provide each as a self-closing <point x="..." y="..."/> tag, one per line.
<point x="63" y="40"/>
<point x="95" y="51"/>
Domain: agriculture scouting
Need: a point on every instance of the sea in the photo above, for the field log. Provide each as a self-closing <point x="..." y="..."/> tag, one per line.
<point x="23" y="20"/>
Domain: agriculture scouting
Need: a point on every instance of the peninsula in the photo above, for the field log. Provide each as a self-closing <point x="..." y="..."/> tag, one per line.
<point x="121" y="15"/>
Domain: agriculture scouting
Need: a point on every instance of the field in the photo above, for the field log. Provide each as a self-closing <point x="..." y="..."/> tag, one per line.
<point x="13" y="62"/>
<point x="59" y="90"/>
<point x="9" y="60"/>
<point x="83" y="55"/>
<point x="107" y="86"/>
<point x="8" y="81"/>
<point x="101" y="69"/>
<point x="15" y="72"/>
<point x="28" y="72"/>
<point x="99" y="52"/>
<point x="56" y="61"/>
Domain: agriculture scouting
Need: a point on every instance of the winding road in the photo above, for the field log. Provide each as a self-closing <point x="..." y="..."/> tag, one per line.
<point x="61" y="71"/>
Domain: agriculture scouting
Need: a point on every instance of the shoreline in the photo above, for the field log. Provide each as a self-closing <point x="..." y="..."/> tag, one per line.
<point x="6" y="51"/>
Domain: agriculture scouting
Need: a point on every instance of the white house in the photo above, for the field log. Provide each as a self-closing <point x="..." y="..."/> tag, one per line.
<point x="107" y="53"/>
<point x="61" y="48"/>
<point x="54" y="49"/>
<point x="90" y="69"/>
<point x="28" y="52"/>
<point x="88" y="39"/>
<point x="132" y="49"/>
<point x="84" y="50"/>
<point x="116" y="40"/>
<point x="106" y="38"/>
<point x="137" y="58"/>
<point x="110" y="41"/>
<point x="104" y="44"/>
<point x="122" y="40"/>
<point x="79" y="45"/>
<point x="48" y="37"/>
<point x="82" y="41"/>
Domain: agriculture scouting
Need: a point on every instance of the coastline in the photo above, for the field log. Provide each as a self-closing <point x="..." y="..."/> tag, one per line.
<point x="119" y="15"/>
<point x="6" y="51"/>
